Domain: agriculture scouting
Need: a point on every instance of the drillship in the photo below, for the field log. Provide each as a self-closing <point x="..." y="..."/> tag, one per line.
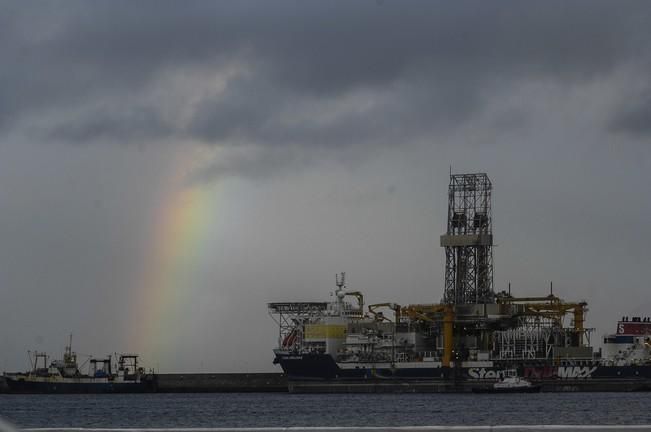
<point x="473" y="335"/>
<point x="64" y="376"/>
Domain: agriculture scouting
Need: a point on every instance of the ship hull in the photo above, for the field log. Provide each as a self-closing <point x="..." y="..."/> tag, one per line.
<point x="63" y="387"/>
<point x="322" y="367"/>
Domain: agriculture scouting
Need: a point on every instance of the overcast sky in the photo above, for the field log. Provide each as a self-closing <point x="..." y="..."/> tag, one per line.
<point x="168" y="168"/>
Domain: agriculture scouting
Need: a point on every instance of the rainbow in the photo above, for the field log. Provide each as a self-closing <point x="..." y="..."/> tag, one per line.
<point x="164" y="286"/>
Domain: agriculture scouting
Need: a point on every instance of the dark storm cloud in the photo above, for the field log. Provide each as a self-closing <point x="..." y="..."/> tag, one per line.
<point x="635" y="117"/>
<point x="406" y="68"/>
<point x="128" y="124"/>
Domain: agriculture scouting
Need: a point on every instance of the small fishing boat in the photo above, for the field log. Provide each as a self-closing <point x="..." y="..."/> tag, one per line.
<point x="64" y="376"/>
<point x="510" y="383"/>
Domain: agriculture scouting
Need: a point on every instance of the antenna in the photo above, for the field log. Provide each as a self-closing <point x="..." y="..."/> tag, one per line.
<point x="68" y="350"/>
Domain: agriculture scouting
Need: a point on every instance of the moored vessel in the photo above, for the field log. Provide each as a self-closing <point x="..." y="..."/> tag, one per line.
<point x="64" y="376"/>
<point x="471" y="337"/>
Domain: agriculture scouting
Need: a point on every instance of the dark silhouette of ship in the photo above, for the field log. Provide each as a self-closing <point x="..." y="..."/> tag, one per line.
<point x="64" y="376"/>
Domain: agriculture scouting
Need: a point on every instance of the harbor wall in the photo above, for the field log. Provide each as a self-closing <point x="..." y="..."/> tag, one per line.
<point x="275" y="382"/>
<point x="221" y="382"/>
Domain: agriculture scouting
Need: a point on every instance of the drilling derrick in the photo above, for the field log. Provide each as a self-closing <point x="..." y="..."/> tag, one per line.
<point x="468" y="241"/>
<point x="474" y="335"/>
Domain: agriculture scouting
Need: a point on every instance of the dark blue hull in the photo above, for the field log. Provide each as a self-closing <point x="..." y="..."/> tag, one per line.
<point x="321" y="367"/>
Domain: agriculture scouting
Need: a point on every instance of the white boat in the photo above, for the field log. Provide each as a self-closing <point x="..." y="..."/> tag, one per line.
<point x="509" y="383"/>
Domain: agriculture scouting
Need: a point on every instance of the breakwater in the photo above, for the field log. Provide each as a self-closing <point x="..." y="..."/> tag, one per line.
<point x="278" y="383"/>
<point x="221" y="382"/>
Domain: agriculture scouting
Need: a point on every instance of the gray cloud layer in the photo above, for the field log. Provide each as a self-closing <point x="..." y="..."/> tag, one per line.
<point x="407" y="69"/>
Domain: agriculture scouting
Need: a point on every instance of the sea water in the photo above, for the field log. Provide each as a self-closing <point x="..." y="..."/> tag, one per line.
<point x="279" y="410"/>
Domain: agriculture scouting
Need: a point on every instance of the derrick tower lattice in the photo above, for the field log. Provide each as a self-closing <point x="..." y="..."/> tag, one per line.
<point x="468" y="241"/>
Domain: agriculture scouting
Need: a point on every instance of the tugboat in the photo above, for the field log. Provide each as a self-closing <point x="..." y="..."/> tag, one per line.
<point x="64" y="376"/>
<point x="510" y="383"/>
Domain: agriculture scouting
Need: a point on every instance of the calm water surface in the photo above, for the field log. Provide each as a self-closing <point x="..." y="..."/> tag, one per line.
<point x="282" y="410"/>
